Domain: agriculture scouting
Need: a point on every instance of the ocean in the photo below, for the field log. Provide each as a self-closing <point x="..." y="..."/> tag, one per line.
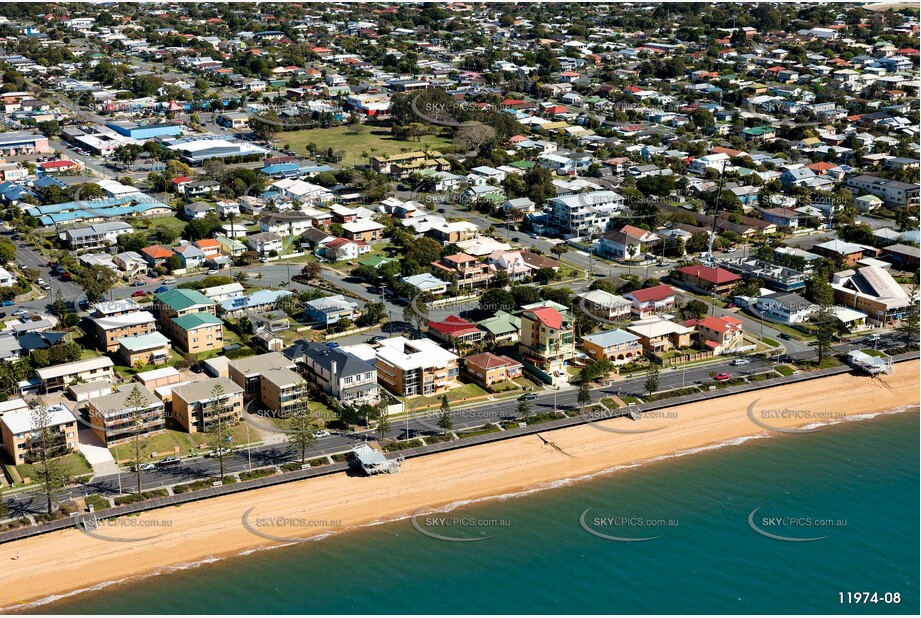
<point x="853" y="486"/>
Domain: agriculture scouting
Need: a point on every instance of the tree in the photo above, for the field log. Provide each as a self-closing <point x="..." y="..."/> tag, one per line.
<point x="652" y="378"/>
<point x="312" y="270"/>
<point x="417" y="311"/>
<point x="383" y="420"/>
<point x="497" y="300"/>
<point x="585" y="394"/>
<point x="908" y="327"/>
<point x="240" y="277"/>
<point x="136" y="403"/>
<point x="826" y="330"/>
<point x="524" y="408"/>
<point x="216" y="426"/>
<point x="7" y="251"/>
<point x="96" y="281"/>
<point x="445" y="421"/>
<point x="59" y="306"/>
<point x="47" y="444"/>
<point x="472" y="137"/>
<point x="301" y="432"/>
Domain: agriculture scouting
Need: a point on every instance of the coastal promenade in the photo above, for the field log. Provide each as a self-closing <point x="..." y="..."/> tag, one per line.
<point x="430" y="449"/>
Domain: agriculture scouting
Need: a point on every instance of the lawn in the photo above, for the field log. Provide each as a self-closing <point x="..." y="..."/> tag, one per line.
<point x="338" y="138"/>
<point x="170" y="222"/>
<point x="322" y="413"/>
<point x="163" y="444"/>
<point x="238" y="435"/>
<point x="455" y="395"/>
<point x="75" y="464"/>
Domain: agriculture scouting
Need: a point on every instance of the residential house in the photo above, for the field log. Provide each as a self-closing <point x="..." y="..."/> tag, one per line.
<point x="651" y="301"/>
<point x="617" y="346"/>
<point x="657" y="334"/>
<point x="265" y="243"/>
<point x="487" y="368"/>
<point x="464" y="270"/>
<point x="455" y="331"/>
<point x="707" y="279"/>
<point x="329" y="310"/>
<point x="502" y="328"/>
<point x="720" y="334"/>
<point x="601" y="305"/>
<point x="365" y="230"/>
<point x="156" y="255"/>
<point x="784" y="307"/>
<point x="148" y="349"/>
<point x="191" y="256"/>
<point x="340" y="374"/>
<point x="627" y="243"/>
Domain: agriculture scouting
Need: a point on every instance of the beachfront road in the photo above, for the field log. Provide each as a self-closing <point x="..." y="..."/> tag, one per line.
<point x="463" y="417"/>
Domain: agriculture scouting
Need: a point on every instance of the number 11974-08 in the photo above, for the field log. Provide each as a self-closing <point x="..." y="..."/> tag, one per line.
<point x="862" y="598"/>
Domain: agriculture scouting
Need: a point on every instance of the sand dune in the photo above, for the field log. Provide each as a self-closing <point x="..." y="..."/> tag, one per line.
<point x="71" y="560"/>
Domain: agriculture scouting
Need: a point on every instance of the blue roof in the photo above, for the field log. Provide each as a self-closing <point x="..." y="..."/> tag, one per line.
<point x="611" y="337"/>
<point x="121" y="206"/>
<point x="259" y="298"/>
<point x="279" y="168"/>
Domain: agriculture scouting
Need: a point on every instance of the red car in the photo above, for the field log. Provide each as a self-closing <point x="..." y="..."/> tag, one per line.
<point x="721" y="376"/>
<point x="138" y="293"/>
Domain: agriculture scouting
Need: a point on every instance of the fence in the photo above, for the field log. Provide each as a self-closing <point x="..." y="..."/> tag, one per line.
<point x="686" y="358"/>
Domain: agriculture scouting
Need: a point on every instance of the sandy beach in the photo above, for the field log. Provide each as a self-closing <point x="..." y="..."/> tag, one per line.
<point x="71" y="560"/>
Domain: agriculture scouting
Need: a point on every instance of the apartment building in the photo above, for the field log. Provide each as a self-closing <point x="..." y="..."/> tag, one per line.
<point x="179" y="303"/>
<point x="116" y="418"/>
<point x="246" y="372"/>
<point x="893" y="192"/>
<point x="17" y="429"/>
<point x="197" y="405"/>
<point x="198" y="332"/>
<point x="112" y="328"/>
<point x="415" y="367"/>
<point x="149" y="349"/>
<point x="58" y="377"/>
<point x="582" y="213"/>
<point x="547" y="336"/>
<point x="282" y="390"/>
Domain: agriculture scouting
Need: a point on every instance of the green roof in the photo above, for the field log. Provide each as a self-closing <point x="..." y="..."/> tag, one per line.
<point x="501" y="323"/>
<point x="195" y="320"/>
<point x="525" y="165"/>
<point x="181" y="299"/>
<point x="759" y="130"/>
<point x="375" y="261"/>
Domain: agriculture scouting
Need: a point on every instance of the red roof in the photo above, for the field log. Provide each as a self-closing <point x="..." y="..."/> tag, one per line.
<point x="157" y="252"/>
<point x="719" y="325"/>
<point x="550" y="317"/>
<point x="709" y="274"/>
<point x="335" y="243"/>
<point x="454" y="326"/>
<point x="488" y="360"/>
<point x="178" y="180"/>
<point x="654" y="294"/>
<point x="50" y="165"/>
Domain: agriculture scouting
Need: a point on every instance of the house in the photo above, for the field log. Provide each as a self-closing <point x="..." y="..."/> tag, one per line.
<point x="657" y="334"/>
<point x="197" y="210"/>
<point x="283" y="391"/>
<point x="795" y="177"/>
<point x="7" y="279"/>
<point x="894" y="193"/>
<point x="156" y="255"/>
<point x="58" y="377"/>
<point x="198" y="405"/>
<point x="339" y="374"/>
<point x="707" y="279"/>
<point x="365" y="230"/>
<point x="547" y="337"/>
<point x="651" y="301"/>
<point x="117" y="418"/>
<point x="627" y="243"/>
<point x="276" y="321"/>
<point x="487" y="368"/>
<point x="784" y="307"/>
<point x="501" y="328"/>
<point x="265" y="243"/>
<point x="903" y="257"/>
<point x="329" y="310"/>
<point x="873" y="291"/>
<point x="617" y="346"/>
<point x="258" y="301"/>
<point x="17" y="428"/>
<point x="148" y="349"/>
<point x="220" y="293"/>
<point x="247" y="372"/>
<point x="410" y="367"/>
<point x="512" y="262"/>
<point x="338" y="249"/>
<point x="848" y="252"/>
<point x="191" y="256"/>
<point x="601" y="305"/>
<point x="94" y="236"/>
<point x="426" y="282"/>
<point x="720" y="334"/>
<point x="523" y="205"/>
<point x="210" y="247"/>
<point x="464" y="270"/>
<point x="131" y="262"/>
<point x="455" y="331"/>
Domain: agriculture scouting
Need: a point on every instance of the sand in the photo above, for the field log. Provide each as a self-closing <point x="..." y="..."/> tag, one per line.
<point x="70" y="560"/>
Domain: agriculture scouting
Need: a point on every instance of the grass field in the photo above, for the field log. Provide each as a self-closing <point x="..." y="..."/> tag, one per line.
<point x="338" y="138"/>
<point x="75" y="464"/>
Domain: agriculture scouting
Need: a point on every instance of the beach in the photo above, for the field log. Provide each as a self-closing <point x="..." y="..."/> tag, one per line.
<point x="70" y="560"/>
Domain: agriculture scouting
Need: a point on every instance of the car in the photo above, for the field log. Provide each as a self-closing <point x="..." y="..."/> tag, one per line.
<point x="785" y="336"/>
<point x="138" y="294"/>
<point x="66" y="277"/>
<point x="169" y="281"/>
<point x="721" y="377"/>
<point x="197" y="368"/>
<point x="136" y="284"/>
<point x="516" y="238"/>
<point x="170" y="461"/>
<point x="731" y="250"/>
<point x="532" y="235"/>
<point x="321" y="434"/>
<point x="161" y="289"/>
<point x="45" y="287"/>
<point x="442" y="210"/>
<point x="148" y="466"/>
<point x="872" y="338"/>
<point x="212" y="271"/>
<point x="7" y="303"/>
<point x="40" y="281"/>
<point x="731" y="306"/>
<point x="332" y="344"/>
<point x="377" y="338"/>
<point x="739" y="362"/>
<point x="528" y="397"/>
<point x="21" y="312"/>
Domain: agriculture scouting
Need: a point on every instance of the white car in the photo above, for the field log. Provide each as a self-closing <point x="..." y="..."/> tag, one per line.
<point x="169" y="282"/>
<point x="740" y="361"/>
<point x="731" y="250"/>
<point x="321" y="434"/>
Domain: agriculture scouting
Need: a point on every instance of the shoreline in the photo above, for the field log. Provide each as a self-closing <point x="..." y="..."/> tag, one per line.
<point x="206" y="531"/>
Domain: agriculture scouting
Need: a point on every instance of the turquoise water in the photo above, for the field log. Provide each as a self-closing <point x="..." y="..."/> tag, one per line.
<point x="863" y="475"/>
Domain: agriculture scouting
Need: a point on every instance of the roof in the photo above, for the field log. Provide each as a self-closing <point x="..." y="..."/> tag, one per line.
<point x="143" y="342"/>
<point x="604" y="299"/>
<point x="653" y="294"/>
<point x="657" y="326"/>
<point x="413" y="353"/>
<point x="196" y="320"/>
<point x="488" y="360"/>
<point x="453" y="326"/>
<point x="125" y="319"/>
<point x="709" y="274"/>
<point x="157" y="252"/>
<point x="256" y="364"/>
<point x="719" y="325"/>
<point x="99" y="362"/>
<point x="611" y="337"/>
<point x="117" y="402"/>
<point x="21" y="421"/>
<point x="282" y="377"/>
<point x="548" y="316"/>
<point x="201" y="391"/>
<point x="346" y="363"/>
<point x="180" y="299"/>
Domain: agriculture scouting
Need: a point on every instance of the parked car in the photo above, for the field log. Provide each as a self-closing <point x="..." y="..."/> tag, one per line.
<point x="332" y="344"/>
<point x="321" y="434"/>
<point x="137" y="283"/>
<point x="740" y="361"/>
<point x="7" y="303"/>
<point x="169" y="461"/>
<point x="212" y="271"/>
<point x="66" y="276"/>
<point x="148" y="466"/>
<point x="527" y="397"/>
<point x="872" y="338"/>
<point x="161" y="289"/>
<point x="169" y="281"/>
<point x="721" y="376"/>
<point x="138" y="293"/>
<point x="785" y="336"/>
